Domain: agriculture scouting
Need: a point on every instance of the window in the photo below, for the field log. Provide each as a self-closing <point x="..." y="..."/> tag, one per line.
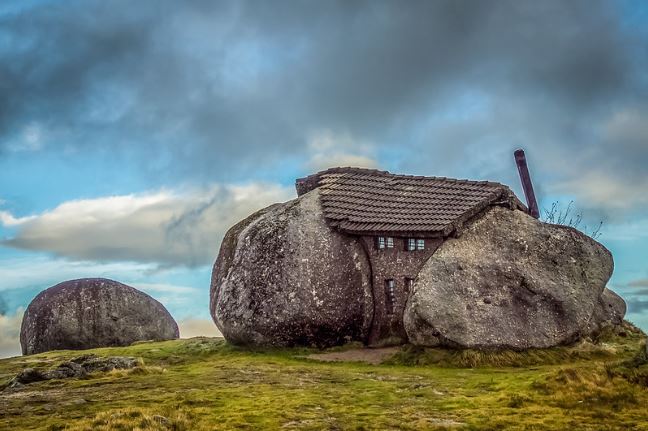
<point x="409" y="285"/>
<point x="383" y="242"/>
<point x="390" y="296"/>
<point x="415" y="244"/>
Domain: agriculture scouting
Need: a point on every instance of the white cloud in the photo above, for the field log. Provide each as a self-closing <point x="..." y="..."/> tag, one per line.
<point x="17" y="273"/>
<point x="197" y="328"/>
<point x="331" y="150"/>
<point x="7" y="219"/>
<point x="164" y="288"/>
<point x="628" y="127"/>
<point x="598" y="189"/>
<point x="10" y="334"/>
<point x="168" y="227"/>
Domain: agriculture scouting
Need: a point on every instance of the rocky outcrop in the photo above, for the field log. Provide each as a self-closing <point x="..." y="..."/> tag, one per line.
<point x="283" y="277"/>
<point x="94" y="312"/>
<point x="608" y="312"/>
<point x="513" y="282"/>
<point x="74" y="368"/>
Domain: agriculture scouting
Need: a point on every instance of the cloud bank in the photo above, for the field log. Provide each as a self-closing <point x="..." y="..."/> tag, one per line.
<point x="167" y="228"/>
<point x="198" y="328"/>
<point x="10" y="334"/>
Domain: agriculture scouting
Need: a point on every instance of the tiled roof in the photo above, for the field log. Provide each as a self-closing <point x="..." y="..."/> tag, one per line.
<point x="368" y="201"/>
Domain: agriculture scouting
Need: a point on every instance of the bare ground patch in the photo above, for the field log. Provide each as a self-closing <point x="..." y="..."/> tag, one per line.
<point x="368" y="355"/>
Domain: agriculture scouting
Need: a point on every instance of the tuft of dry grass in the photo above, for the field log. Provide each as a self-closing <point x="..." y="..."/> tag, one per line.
<point x="141" y="370"/>
<point x="608" y="345"/>
<point x="133" y="419"/>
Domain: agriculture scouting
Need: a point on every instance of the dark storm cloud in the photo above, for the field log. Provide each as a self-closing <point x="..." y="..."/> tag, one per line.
<point x="210" y="88"/>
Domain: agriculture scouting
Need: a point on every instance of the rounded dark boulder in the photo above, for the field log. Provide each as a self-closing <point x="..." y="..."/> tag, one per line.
<point x="283" y="277"/>
<point x="93" y="312"/>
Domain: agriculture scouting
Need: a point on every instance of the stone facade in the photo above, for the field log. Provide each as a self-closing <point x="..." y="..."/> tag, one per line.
<point x="399" y="265"/>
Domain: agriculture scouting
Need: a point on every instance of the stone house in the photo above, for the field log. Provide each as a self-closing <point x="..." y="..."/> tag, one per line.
<point x="400" y="221"/>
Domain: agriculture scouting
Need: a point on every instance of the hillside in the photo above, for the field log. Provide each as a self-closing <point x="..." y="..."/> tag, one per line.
<point x="204" y="383"/>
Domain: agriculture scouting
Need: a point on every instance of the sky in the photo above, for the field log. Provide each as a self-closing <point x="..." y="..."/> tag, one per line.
<point x="133" y="134"/>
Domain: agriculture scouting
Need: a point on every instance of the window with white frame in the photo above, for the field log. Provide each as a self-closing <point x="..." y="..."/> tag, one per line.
<point x="380" y="242"/>
<point x="383" y="242"/>
<point x="414" y="244"/>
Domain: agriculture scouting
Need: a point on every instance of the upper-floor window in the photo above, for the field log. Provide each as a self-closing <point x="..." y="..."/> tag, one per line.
<point x="415" y="244"/>
<point x="384" y="242"/>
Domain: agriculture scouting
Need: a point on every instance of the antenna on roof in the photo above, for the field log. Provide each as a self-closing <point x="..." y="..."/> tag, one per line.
<point x="520" y="160"/>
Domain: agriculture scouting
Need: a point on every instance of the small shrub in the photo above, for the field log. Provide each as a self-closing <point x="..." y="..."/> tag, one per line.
<point x="566" y="217"/>
<point x="516" y="401"/>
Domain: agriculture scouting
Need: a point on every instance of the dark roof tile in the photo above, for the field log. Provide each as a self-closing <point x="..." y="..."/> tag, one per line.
<point x="370" y="201"/>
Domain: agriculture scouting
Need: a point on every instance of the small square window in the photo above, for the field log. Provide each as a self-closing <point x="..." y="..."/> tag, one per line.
<point x="381" y="242"/>
<point x="415" y="244"/>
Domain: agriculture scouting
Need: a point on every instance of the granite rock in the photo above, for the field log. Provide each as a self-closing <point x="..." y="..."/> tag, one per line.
<point x="93" y="312"/>
<point x="283" y="277"/>
<point x="510" y="281"/>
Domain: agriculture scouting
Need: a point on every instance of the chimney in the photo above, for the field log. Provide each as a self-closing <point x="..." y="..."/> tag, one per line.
<point x="520" y="160"/>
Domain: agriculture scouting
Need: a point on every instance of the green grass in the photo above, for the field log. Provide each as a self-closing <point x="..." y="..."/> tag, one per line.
<point x="205" y="384"/>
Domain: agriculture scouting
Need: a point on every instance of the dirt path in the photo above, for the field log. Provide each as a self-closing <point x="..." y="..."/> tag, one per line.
<point x="370" y="356"/>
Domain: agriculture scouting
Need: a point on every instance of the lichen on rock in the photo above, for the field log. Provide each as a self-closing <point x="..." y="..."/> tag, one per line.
<point x="93" y="312"/>
<point x="283" y="277"/>
<point x="510" y="281"/>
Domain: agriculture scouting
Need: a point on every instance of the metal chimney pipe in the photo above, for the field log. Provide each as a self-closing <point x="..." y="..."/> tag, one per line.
<point x="520" y="160"/>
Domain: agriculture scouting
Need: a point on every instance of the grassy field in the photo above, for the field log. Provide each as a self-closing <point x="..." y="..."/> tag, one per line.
<point x="205" y="384"/>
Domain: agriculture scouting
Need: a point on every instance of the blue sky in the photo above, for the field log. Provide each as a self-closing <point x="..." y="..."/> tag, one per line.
<point x="133" y="135"/>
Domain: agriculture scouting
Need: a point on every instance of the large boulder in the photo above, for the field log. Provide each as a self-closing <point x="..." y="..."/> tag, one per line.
<point x="608" y="312"/>
<point x="510" y="281"/>
<point x="93" y="312"/>
<point x="283" y="277"/>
